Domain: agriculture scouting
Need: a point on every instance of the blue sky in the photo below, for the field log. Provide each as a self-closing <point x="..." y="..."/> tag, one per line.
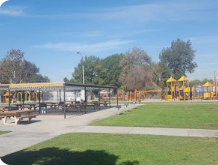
<point x="50" y="32"/>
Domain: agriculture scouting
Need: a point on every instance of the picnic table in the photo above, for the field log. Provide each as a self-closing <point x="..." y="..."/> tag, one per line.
<point x="17" y="114"/>
<point x="72" y="105"/>
<point x="3" y="108"/>
<point x="51" y="104"/>
<point x="26" y="105"/>
<point x="97" y="104"/>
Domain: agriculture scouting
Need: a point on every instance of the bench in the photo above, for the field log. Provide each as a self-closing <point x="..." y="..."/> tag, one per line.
<point x="104" y="103"/>
<point x="28" y="107"/>
<point x="17" y="115"/>
<point x="52" y="105"/>
<point x="3" y="107"/>
<point x="23" y="117"/>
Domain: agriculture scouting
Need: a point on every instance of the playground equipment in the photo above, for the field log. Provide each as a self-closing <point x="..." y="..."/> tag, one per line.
<point x="20" y="96"/>
<point x="208" y="91"/>
<point x="171" y="89"/>
<point x="216" y="87"/>
<point x="184" y="89"/>
<point x="175" y="90"/>
<point x="104" y="95"/>
<point x="6" y="97"/>
<point x="136" y="95"/>
<point x="140" y="95"/>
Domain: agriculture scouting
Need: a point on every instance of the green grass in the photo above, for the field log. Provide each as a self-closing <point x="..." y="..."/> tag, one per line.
<point x="3" y="132"/>
<point x="172" y="115"/>
<point x="111" y="149"/>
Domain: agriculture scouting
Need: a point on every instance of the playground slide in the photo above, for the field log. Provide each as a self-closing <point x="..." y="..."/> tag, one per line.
<point x="164" y="94"/>
<point x="181" y="95"/>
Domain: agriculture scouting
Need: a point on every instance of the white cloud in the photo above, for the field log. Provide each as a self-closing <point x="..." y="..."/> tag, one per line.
<point x="163" y="11"/>
<point x="204" y="40"/>
<point x="91" y="34"/>
<point x="90" y="48"/>
<point x="83" y="34"/>
<point x="12" y="11"/>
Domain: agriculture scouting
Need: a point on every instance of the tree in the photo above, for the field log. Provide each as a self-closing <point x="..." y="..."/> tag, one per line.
<point x="195" y="82"/>
<point x="201" y="82"/>
<point x="90" y="66"/>
<point x="98" y="71"/>
<point x="177" y="60"/>
<point x="15" y="69"/>
<point x="137" y="72"/>
<point x="109" y="70"/>
<point x="38" y="78"/>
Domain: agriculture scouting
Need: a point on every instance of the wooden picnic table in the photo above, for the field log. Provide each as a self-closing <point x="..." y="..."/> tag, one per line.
<point x="17" y="114"/>
<point x="51" y="104"/>
<point x="97" y="104"/>
<point x="3" y="107"/>
<point x="26" y="105"/>
<point x="74" y="105"/>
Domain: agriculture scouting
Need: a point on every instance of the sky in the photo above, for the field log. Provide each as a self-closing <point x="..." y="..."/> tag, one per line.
<point x="51" y="32"/>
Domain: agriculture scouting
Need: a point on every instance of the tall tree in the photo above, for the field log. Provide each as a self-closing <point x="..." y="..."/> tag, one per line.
<point x="38" y="78"/>
<point x="201" y="82"/>
<point x="137" y="72"/>
<point x="98" y="71"/>
<point x="177" y="60"/>
<point x="15" y="69"/>
<point x="109" y="70"/>
<point x="90" y="66"/>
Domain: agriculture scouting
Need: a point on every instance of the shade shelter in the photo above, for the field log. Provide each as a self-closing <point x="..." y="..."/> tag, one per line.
<point x="171" y="88"/>
<point x="185" y="85"/>
<point x="208" y="93"/>
<point x="60" y="87"/>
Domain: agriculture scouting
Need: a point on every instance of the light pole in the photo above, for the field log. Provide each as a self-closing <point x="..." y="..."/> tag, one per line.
<point x="82" y="67"/>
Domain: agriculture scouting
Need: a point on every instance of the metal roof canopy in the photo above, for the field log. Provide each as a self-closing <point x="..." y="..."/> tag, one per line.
<point x="52" y="86"/>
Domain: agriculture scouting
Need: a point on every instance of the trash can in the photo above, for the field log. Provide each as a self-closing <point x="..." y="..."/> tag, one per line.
<point x="43" y="109"/>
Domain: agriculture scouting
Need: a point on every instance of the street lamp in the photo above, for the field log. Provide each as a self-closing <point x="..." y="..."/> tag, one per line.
<point x="82" y="67"/>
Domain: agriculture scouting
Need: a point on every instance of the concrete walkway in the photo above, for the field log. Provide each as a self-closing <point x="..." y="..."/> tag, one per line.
<point x="46" y="127"/>
<point x="150" y="131"/>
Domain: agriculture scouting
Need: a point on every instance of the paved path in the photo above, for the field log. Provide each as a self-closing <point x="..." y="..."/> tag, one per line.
<point x="46" y="127"/>
<point x="150" y="131"/>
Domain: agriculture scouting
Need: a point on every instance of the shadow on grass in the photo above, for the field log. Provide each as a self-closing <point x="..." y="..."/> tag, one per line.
<point x="56" y="156"/>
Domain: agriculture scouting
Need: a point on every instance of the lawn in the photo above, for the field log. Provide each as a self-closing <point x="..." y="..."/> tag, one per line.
<point x="111" y="149"/>
<point x="172" y="115"/>
<point x="3" y="132"/>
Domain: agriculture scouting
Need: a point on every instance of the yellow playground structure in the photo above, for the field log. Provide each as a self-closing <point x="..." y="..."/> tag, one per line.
<point x="181" y="90"/>
<point x="171" y="89"/>
<point x="20" y="96"/>
<point x="175" y="90"/>
<point x="208" y="91"/>
<point x="178" y="90"/>
<point x="216" y="87"/>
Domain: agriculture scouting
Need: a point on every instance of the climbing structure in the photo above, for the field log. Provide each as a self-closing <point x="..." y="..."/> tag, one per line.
<point x="171" y="89"/>
<point x="216" y="87"/>
<point x="183" y="88"/>
<point x="208" y="91"/>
